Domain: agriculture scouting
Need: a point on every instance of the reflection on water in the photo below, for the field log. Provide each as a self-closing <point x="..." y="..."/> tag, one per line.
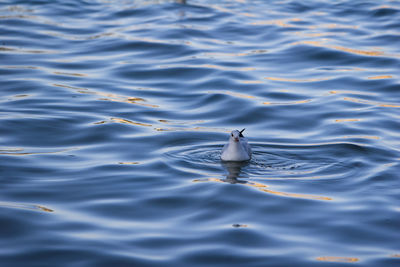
<point x="297" y="80"/>
<point x="234" y="170"/>
<point x="190" y="129"/>
<point x="341" y="48"/>
<point x="25" y="206"/>
<point x="111" y="97"/>
<point x="368" y="102"/>
<point x="113" y="115"/>
<point x="337" y="259"/>
<point x="380" y="77"/>
<point x="23" y="152"/>
<point x="129" y="163"/>
<point x="120" y="120"/>
<point x="233" y="94"/>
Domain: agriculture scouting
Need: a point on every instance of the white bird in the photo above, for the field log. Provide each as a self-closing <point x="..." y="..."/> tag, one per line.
<point x="237" y="149"/>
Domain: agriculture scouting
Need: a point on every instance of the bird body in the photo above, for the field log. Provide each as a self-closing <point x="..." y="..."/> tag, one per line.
<point x="237" y="149"/>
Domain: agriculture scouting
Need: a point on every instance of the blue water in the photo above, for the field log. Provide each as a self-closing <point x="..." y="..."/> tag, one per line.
<point x="113" y="115"/>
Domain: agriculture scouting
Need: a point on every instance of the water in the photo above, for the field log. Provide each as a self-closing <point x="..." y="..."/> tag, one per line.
<point x="113" y="115"/>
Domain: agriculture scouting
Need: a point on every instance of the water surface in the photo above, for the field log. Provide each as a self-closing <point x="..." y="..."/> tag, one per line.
<point x="113" y="115"/>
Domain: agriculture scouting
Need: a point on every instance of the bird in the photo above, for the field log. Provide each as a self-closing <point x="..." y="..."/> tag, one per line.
<point x="237" y="149"/>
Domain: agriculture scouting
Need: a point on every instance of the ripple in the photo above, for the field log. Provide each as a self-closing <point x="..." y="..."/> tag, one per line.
<point x="337" y="259"/>
<point x="113" y="115"/>
<point x="27" y="152"/>
<point x="269" y="162"/>
<point x="197" y="154"/>
<point x="25" y="206"/>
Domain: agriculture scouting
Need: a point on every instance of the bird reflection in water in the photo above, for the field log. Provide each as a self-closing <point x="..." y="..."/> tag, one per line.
<point x="234" y="169"/>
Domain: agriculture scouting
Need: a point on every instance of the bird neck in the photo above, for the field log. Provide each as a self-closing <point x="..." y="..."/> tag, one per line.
<point x="235" y="145"/>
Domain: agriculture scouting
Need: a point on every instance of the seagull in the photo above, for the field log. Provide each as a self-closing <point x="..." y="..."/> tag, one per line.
<point x="237" y="149"/>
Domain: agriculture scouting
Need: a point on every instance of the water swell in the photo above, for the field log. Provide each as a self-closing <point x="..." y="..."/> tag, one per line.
<point x="113" y="115"/>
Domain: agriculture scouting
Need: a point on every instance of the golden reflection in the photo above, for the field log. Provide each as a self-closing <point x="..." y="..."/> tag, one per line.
<point x="389" y="106"/>
<point x="68" y="86"/>
<point x="295" y="195"/>
<point x="294" y="178"/>
<point x="251" y="82"/>
<point x="263" y="188"/>
<point x="209" y="66"/>
<point x="129" y="163"/>
<point x="280" y="23"/>
<point x="341" y="48"/>
<point x="180" y="126"/>
<point x="288" y="103"/>
<point x="247" y="69"/>
<point x="380" y="77"/>
<point x="319" y="13"/>
<point x="361" y="136"/>
<point x="351" y="92"/>
<point x="110" y="97"/>
<point x="368" y="102"/>
<point x="248" y="14"/>
<point x="70" y="74"/>
<point x="44" y="208"/>
<point x="296" y="80"/>
<point x="119" y="120"/>
<point x="391" y="164"/>
<point x="357" y="51"/>
<point x="348" y="69"/>
<point x="395" y="255"/>
<point x="337" y="259"/>
<point x="346" y="120"/>
<point x="314" y="34"/>
<point x="25" y="206"/>
<point x="336" y="26"/>
<point x="124" y="99"/>
<point x="382" y="6"/>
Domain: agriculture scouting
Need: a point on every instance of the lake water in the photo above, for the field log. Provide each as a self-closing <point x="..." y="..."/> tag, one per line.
<point x="113" y="115"/>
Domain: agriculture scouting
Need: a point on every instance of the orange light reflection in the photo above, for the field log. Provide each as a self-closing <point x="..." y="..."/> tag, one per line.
<point x="263" y="188"/>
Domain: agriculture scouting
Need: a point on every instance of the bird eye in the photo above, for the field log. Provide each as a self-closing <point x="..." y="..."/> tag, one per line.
<point x="232" y="135"/>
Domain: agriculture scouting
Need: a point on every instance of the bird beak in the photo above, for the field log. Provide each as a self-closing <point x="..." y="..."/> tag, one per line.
<point x="236" y="139"/>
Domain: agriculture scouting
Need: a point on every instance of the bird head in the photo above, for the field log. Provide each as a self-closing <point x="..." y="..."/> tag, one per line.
<point x="235" y="135"/>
